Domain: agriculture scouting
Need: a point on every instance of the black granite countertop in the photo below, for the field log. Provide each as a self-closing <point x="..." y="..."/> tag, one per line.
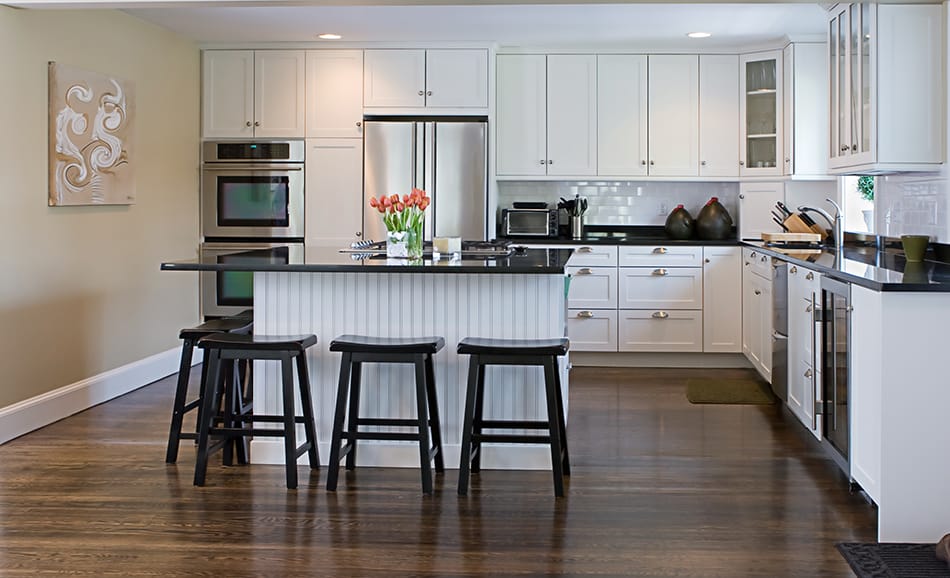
<point x="628" y="235"/>
<point x="331" y="260"/>
<point x="885" y="270"/>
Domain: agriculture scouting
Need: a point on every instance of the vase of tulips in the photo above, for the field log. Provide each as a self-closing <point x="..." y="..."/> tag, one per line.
<point x="404" y="218"/>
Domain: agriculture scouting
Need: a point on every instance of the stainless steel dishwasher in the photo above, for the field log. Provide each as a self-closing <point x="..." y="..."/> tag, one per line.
<point x="780" y="329"/>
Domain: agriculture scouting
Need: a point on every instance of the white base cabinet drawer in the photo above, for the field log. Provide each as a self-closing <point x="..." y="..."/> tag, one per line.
<point x="592" y="256"/>
<point x="661" y="288"/>
<point x="592" y="329"/>
<point x="660" y="256"/>
<point x="592" y="288"/>
<point x="658" y="330"/>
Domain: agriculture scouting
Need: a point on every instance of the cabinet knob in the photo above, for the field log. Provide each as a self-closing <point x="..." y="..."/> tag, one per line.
<point x="757" y="292"/>
<point x="707" y="260"/>
<point x="764" y="259"/>
<point x="810" y="276"/>
<point x="542" y="161"/>
<point x="809" y="309"/>
<point x="754" y="255"/>
<point x="854" y="147"/>
<point x="257" y="123"/>
<point x="643" y="163"/>
<point x="248" y="123"/>
<point x="845" y="148"/>
<point x="585" y="314"/>
<point x="550" y="162"/>
<point x="584" y="271"/>
<point x="788" y="160"/>
<point x="741" y="163"/>
<point x="358" y="124"/>
<point x="660" y="314"/>
<point x="702" y="163"/>
<point x="660" y="251"/>
<point x="793" y="270"/>
<point x="808" y="373"/>
<point x="741" y="196"/>
<point x="652" y="163"/>
<point x="422" y="93"/>
<point x="660" y="272"/>
<point x="429" y="93"/>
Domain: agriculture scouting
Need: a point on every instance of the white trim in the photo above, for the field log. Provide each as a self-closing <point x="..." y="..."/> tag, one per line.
<point x="39" y="411"/>
<point x="646" y="359"/>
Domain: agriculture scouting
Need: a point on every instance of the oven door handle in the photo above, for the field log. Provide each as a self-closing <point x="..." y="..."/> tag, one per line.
<point x="256" y="168"/>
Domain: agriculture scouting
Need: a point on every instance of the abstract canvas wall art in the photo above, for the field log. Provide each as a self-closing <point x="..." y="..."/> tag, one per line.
<point x="91" y="130"/>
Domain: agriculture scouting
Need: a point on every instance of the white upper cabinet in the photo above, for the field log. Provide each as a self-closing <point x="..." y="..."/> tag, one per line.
<point x="805" y="87"/>
<point x="886" y="67"/>
<point x="673" y="110"/>
<point x="335" y="93"/>
<point x="457" y="78"/>
<point x="760" y="114"/>
<point x="718" y="115"/>
<point x="521" y="115"/>
<point x="622" y="114"/>
<point x="247" y="93"/>
<point x="572" y="114"/>
<point x="756" y="203"/>
<point x="425" y="78"/>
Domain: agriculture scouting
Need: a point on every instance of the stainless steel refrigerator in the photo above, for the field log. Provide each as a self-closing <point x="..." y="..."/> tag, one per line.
<point x="446" y="158"/>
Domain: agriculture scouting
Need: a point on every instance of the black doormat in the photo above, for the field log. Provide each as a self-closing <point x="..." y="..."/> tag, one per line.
<point x="893" y="560"/>
<point x="729" y="391"/>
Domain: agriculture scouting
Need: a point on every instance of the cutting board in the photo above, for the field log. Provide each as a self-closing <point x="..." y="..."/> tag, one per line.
<point x="791" y="237"/>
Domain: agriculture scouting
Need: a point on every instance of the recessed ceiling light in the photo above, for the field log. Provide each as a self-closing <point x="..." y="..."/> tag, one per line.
<point x="329" y="36"/>
<point x="699" y="35"/>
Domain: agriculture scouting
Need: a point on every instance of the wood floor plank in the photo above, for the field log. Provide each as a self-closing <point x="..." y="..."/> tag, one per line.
<point x="659" y="487"/>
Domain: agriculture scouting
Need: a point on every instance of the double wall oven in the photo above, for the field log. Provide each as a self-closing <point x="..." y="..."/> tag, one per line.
<point x="252" y="207"/>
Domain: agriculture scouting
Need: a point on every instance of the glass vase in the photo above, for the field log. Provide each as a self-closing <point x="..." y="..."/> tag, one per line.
<point x="397" y="244"/>
<point x="414" y="242"/>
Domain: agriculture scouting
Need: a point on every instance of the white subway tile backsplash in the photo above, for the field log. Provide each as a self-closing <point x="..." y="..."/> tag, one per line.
<point x="914" y="205"/>
<point x="624" y="203"/>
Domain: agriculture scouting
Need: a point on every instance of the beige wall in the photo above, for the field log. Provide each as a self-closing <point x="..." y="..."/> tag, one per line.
<point x="80" y="287"/>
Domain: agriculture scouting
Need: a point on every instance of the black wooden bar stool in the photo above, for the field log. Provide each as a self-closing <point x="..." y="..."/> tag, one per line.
<point x="358" y="349"/>
<point x="229" y="347"/>
<point x="541" y="352"/>
<point x="242" y="323"/>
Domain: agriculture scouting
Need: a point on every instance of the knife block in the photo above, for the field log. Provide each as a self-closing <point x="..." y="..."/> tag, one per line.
<point x="795" y="224"/>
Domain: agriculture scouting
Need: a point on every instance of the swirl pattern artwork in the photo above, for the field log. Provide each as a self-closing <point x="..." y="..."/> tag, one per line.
<point x="90" y="138"/>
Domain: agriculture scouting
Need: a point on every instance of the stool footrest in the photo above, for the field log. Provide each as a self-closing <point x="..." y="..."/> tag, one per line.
<point x="383" y="421"/>
<point x="511" y="438"/>
<point x="381" y="435"/>
<point x="251" y="418"/>
<point x="243" y="431"/>
<point x="511" y="424"/>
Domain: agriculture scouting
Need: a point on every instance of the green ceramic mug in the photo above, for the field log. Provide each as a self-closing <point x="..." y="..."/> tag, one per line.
<point x="915" y="246"/>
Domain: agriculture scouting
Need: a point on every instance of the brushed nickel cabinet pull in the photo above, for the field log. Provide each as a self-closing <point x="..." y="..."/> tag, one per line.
<point x="660" y="251"/>
<point x="660" y="272"/>
<point x="793" y="270"/>
<point x="810" y="276"/>
<point x="584" y="271"/>
<point x="584" y="250"/>
<point x="585" y="314"/>
<point x="660" y="314"/>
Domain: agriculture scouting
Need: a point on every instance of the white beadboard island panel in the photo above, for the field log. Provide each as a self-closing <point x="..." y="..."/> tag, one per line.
<point x="453" y="306"/>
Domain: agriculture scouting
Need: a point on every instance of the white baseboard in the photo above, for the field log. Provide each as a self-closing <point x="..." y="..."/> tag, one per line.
<point x="631" y="359"/>
<point x="406" y="455"/>
<point x="39" y="411"/>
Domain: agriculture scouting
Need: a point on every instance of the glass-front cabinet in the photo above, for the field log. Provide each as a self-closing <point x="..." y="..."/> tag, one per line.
<point x="849" y="44"/>
<point x="760" y="83"/>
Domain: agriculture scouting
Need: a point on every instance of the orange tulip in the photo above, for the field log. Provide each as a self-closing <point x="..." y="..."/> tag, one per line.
<point x="405" y="198"/>
<point x="400" y="206"/>
<point x="373" y="202"/>
<point x="424" y="203"/>
<point x="386" y="201"/>
<point x="380" y="208"/>
<point x="394" y="198"/>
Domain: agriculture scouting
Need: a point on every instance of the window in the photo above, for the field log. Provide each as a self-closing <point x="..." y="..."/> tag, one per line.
<point x="858" y="197"/>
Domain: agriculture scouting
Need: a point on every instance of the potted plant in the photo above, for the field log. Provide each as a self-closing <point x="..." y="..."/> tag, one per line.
<point x="404" y="219"/>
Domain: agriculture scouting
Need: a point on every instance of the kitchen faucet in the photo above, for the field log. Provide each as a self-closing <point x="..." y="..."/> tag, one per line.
<point x="836" y="222"/>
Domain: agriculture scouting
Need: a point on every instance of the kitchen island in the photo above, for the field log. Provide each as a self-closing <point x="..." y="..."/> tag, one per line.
<point x="515" y="294"/>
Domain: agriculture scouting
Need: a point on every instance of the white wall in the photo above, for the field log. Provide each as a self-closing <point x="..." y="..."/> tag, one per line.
<point x="80" y="288"/>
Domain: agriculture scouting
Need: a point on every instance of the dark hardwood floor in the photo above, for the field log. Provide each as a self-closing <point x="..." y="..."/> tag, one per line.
<point x="660" y="487"/>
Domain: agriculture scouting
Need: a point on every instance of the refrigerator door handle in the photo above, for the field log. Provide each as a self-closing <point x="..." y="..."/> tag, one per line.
<point x="415" y="155"/>
<point x="428" y="178"/>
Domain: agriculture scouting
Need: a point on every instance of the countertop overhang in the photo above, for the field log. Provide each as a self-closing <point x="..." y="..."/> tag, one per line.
<point x="331" y="260"/>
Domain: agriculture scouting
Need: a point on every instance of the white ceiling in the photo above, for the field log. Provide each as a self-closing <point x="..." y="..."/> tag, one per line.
<point x="655" y="25"/>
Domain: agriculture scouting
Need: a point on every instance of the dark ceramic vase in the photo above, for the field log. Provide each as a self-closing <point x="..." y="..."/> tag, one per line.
<point x="679" y="224"/>
<point x="714" y="222"/>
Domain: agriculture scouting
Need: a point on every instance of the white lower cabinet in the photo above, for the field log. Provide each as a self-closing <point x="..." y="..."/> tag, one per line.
<point x="592" y="288"/>
<point x="722" y="299"/>
<point x="803" y="345"/>
<point x="661" y="330"/>
<point x="756" y="314"/>
<point x="592" y="329"/>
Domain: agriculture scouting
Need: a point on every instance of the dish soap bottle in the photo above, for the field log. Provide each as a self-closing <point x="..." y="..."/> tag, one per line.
<point x="679" y="224"/>
<point x="714" y="222"/>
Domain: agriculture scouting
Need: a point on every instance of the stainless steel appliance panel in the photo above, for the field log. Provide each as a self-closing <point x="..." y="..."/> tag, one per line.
<point x="460" y="173"/>
<point x="230" y="292"/>
<point x="390" y="156"/>
<point x="780" y="329"/>
<point x="835" y="370"/>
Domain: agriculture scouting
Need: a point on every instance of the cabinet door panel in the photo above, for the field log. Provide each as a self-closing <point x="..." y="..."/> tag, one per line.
<point x="718" y="115"/>
<point x="457" y="78"/>
<point x="572" y="114"/>
<point x="592" y="329"/>
<point x="760" y="111"/>
<point x="227" y="95"/>
<point x="756" y="201"/>
<point x="394" y="78"/>
<point x="722" y="300"/>
<point x="622" y="114"/>
<point x="334" y="191"/>
<point x="335" y="93"/>
<point x="521" y="112"/>
<point x="593" y="256"/>
<point x="279" y="93"/>
<point x="592" y="288"/>
<point x="674" y="115"/>
<point x="660" y="256"/>
<point x="660" y="288"/>
<point x="657" y="330"/>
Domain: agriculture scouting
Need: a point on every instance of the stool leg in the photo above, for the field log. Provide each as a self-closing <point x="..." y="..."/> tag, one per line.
<point x="562" y="420"/>
<point x="478" y="419"/>
<point x="423" y="415"/>
<point x="309" y="427"/>
<point x="553" y="426"/>
<point x="352" y="422"/>
<point x="434" y="415"/>
<point x="465" y="462"/>
<point x="227" y="454"/>
<point x="290" y="424"/>
<point x="181" y="394"/>
<point x="237" y="413"/>
<point x="338" y="416"/>
<point x="208" y="395"/>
